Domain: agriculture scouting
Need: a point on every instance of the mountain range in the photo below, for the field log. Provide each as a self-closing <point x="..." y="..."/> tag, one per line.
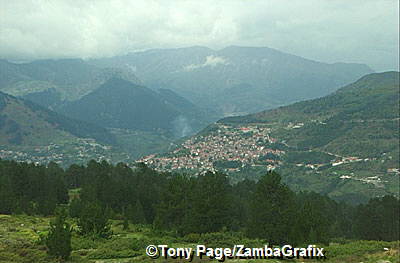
<point x="190" y="86"/>
<point x="236" y="80"/>
<point x="141" y="102"/>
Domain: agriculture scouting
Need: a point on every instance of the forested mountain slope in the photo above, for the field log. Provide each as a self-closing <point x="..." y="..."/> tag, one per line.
<point x="29" y="132"/>
<point x="236" y="79"/>
<point x="121" y="104"/>
<point x="360" y="119"/>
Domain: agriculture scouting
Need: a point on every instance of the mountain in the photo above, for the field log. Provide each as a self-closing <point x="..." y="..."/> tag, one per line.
<point x="344" y="145"/>
<point x="25" y="122"/>
<point x="236" y="80"/>
<point x="132" y="117"/>
<point x="121" y="104"/>
<point x="49" y="98"/>
<point x="29" y="132"/>
<point x="360" y="118"/>
<point x="69" y="79"/>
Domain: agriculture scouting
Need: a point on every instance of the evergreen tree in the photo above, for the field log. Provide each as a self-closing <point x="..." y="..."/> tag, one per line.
<point x="267" y="209"/>
<point x="75" y="207"/>
<point x="210" y="204"/>
<point x="125" y="223"/>
<point x="243" y="192"/>
<point x="7" y="196"/>
<point x="74" y="175"/>
<point x="272" y="211"/>
<point x="314" y="219"/>
<point x="58" y="240"/>
<point x="378" y="220"/>
<point x="137" y="214"/>
<point x="93" y="221"/>
<point x="174" y="203"/>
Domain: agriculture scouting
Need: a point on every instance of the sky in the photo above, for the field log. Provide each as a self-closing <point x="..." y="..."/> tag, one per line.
<point x="359" y="31"/>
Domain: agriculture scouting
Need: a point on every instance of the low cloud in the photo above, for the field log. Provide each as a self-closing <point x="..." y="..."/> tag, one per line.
<point x="211" y="61"/>
<point x="363" y="31"/>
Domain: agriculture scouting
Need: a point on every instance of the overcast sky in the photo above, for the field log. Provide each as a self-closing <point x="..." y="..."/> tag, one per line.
<point x="362" y="31"/>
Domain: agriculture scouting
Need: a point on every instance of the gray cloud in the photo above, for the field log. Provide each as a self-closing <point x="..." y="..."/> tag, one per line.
<point x="363" y="31"/>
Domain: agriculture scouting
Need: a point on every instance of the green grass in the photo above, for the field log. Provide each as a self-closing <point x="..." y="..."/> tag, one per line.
<point x="20" y="241"/>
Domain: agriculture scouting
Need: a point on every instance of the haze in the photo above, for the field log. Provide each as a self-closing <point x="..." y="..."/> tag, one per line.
<point x="357" y="31"/>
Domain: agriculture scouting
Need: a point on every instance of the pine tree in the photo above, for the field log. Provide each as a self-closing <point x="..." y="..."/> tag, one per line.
<point x="378" y="219"/>
<point x="272" y="210"/>
<point x="58" y="240"/>
<point x="313" y="236"/>
<point x="173" y="204"/>
<point x="93" y="221"/>
<point x="125" y="223"/>
<point x="75" y="207"/>
<point x="138" y="216"/>
<point x="210" y="204"/>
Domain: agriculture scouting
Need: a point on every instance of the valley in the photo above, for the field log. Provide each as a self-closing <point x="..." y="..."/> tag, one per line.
<point x="344" y="145"/>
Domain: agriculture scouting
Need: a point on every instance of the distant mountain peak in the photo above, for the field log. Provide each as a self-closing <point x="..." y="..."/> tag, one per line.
<point x="205" y="76"/>
<point x="119" y="103"/>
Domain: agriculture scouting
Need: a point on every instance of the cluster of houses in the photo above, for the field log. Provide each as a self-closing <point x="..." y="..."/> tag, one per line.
<point x="79" y="151"/>
<point x="246" y="145"/>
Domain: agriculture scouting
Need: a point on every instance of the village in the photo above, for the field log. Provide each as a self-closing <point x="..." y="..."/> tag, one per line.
<point x="250" y="145"/>
<point x="80" y="151"/>
<point x="225" y="148"/>
<point x="236" y="147"/>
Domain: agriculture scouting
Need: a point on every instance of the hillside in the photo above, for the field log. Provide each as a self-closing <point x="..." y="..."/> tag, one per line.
<point x="361" y="118"/>
<point x="70" y="78"/>
<point x="344" y="145"/>
<point x="236" y="80"/>
<point x="31" y="132"/>
<point x="121" y="104"/>
<point x="119" y="115"/>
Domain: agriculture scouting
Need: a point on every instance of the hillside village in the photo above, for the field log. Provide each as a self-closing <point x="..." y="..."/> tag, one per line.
<point x="239" y="146"/>
<point x="79" y="151"/>
<point x="244" y="145"/>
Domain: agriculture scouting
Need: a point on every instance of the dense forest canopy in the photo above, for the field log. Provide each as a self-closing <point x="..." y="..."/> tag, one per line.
<point x="206" y="203"/>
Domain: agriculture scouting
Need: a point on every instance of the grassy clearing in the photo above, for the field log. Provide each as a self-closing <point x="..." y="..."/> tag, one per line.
<point x="20" y="241"/>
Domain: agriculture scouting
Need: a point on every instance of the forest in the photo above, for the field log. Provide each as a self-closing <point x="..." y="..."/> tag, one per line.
<point x="266" y="209"/>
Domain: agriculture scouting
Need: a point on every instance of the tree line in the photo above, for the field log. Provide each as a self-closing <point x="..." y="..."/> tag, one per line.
<point x="266" y="209"/>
